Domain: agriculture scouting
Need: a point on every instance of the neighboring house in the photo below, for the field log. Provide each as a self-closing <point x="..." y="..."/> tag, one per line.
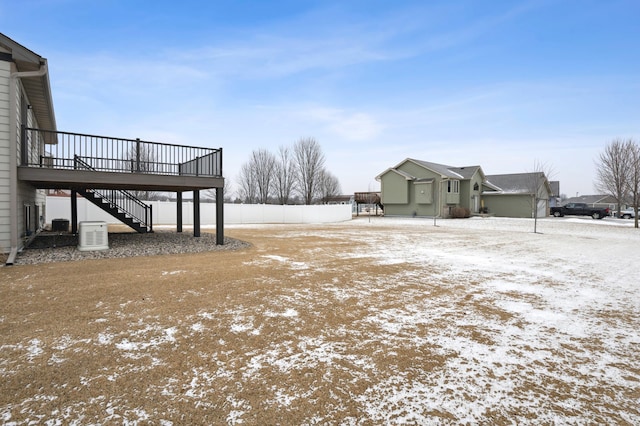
<point x="340" y="199"/>
<point x="420" y="188"/>
<point x="35" y="156"/>
<point x="515" y="195"/>
<point x="597" y="201"/>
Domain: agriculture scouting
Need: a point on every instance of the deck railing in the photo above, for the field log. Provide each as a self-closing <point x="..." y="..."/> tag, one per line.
<point x="44" y="148"/>
<point x="122" y="200"/>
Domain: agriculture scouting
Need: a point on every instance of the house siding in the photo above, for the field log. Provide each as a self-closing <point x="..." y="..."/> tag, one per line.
<point x="415" y="207"/>
<point x="30" y="199"/>
<point x="395" y="189"/>
<point x="515" y="200"/>
<point x="26" y="195"/>
<point x="5" y="216"/>
<point x="474" y="194"/>
<point x="425" y="195"/>
<point x="509" y="205"/>
<point x="418" y="171"/>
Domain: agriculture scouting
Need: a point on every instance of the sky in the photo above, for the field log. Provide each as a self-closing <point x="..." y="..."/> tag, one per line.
<point x="501" y="84"/>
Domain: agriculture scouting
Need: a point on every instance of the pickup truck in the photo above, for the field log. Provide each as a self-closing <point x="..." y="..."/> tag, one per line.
<point x="579" y="209"/>
<point x="627" y="214"/>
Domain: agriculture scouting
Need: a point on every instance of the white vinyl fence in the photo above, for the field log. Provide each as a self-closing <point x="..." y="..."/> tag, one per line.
<point x="165" y="212"/>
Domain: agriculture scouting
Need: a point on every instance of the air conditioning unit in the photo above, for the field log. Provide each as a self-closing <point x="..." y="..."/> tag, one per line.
<point x="93" y="236"/>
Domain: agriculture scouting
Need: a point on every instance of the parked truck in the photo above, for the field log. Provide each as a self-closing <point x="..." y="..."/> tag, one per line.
<point x="579" y="209"/>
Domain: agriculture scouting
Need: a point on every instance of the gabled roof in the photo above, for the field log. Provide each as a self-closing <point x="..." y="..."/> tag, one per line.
<point x="405" y="175"/>
<point x="37" y="87"/>
<point x="443" y="170"/>
<point x="517" y="183"/>
<point x="462" y="173"/>
<point x="592" y="199"/>
<point x="467" y="172"/>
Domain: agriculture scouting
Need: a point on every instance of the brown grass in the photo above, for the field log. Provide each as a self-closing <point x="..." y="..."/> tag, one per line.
<point x="285" y="332"/>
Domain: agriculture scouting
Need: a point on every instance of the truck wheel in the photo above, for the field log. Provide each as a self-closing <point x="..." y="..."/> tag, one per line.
<point x="626" y="216"/>
<point x="557" y="214"/>
<point x="596" y="215"/>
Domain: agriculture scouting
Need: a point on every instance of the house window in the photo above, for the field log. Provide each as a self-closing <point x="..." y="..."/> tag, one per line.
<point x="475" y="186"/>
<point x="453" y="186"/>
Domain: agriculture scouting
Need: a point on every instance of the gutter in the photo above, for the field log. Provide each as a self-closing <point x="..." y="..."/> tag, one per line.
<point x="13" y="153"/>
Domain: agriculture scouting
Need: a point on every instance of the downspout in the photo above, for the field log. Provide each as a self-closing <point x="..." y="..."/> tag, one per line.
<point x="13" y="153"/>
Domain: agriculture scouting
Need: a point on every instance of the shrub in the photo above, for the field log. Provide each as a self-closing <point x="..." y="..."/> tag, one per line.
<point x="460" y="212"/>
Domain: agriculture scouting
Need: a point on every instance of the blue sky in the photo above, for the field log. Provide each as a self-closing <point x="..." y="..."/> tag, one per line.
<point x="501" y="84"/>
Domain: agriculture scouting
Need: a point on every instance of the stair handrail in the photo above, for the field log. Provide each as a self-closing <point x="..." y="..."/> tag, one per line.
<point x="126" y="195"/>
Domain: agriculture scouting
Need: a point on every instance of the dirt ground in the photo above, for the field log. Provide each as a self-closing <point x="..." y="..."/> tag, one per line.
<point x="312" y="325"/>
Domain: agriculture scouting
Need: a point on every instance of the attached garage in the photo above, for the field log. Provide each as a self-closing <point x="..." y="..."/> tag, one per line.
<point x="517" y="195"/>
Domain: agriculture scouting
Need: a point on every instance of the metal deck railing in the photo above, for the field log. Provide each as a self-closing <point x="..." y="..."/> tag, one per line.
<point x="58" y="150"/>
<point x="117" y="201"/>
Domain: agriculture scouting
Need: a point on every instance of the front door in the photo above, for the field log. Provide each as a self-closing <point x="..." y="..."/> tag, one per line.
<point x="476" y="203"/>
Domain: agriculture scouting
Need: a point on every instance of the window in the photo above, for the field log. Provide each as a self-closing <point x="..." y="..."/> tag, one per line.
<point x="453" y="186"/>
<point x="475" y="186"/>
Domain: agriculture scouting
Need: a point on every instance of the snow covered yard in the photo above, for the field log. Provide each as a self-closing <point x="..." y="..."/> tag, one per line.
<point x="388" y="321"/>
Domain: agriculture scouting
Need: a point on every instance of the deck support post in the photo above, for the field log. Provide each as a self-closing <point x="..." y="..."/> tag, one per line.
<point x="74" y="212"/>
<point x="219" y="217"/>
<point x="179" y="211"/>
<point x="196" y="213"/>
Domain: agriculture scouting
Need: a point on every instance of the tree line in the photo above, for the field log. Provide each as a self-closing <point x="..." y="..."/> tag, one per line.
<point x="294" y="175"/>
<point x="618" y="173"/>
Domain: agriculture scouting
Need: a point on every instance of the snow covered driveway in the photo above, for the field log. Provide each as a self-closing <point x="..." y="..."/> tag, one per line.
<point x="388" y="321"/>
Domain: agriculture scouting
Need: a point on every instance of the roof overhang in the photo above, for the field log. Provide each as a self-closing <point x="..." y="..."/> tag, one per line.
<point x="405" y="175"/>
<point x="37" y="88"/>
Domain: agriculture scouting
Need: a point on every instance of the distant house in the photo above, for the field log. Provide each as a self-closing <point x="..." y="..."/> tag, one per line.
<point x="601" y="201"/>
<point x="421" y="188"/>
<point x="339" y="199"/>
<point x="514" y="195"/>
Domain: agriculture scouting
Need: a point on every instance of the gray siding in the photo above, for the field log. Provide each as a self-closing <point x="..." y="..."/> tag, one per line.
<point x="5" y="222"/>
<point x="26" y="194"/>
<point x="509" y="205"/>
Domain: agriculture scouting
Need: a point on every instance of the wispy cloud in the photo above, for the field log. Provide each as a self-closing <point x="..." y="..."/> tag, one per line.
<point x="349" y="126"/>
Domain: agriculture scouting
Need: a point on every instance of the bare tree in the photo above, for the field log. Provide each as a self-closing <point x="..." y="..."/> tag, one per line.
<point x="141" y="158"/>
<point x="256" y="175"/>
<point x="211" y="193"/>
<point x="309" y="163"/>
<point x="328" y="186"/>
<point x="613" y="170"/>
<point x="633" y="177"/>
<point x="537" y="180"/>
<point x="284" y="175"/>
<point x="247" y="188"/>
<point x="263" y="164"/>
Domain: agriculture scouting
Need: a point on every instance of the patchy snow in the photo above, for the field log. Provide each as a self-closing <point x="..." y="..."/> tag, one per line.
<point x="460" y="322"/>
<point x="180" y="271"/>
